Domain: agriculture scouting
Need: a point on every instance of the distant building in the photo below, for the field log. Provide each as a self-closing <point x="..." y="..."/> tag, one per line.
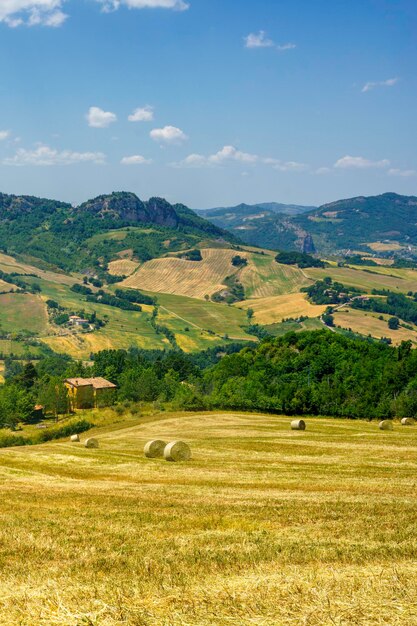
<point x="76" y="320"/>
<point x="86" y="393"/>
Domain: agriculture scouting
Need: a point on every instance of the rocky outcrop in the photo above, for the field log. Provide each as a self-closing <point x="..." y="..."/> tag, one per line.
<point x="127" y="207"/>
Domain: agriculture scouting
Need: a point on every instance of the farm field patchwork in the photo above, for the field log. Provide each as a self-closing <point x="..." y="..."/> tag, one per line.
<point x="263" y="526"/>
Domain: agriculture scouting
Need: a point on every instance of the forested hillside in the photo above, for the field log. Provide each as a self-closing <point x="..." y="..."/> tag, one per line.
<point x="386" y="224"/>
<point x="84" y="237"/>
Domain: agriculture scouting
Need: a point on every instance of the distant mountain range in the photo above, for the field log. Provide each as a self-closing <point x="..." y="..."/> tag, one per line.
<point x="385" y="223"/>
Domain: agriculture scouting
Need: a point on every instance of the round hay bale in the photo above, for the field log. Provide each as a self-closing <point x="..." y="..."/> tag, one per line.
<point x="91" y="443"/>
<point x="177" y="451"/>
<point x="75" y="438"/>
<point x="407" y="421"/>
<point x="155" y="449"/>
<point x="386" y="425"/>
<point x="298" y="425"/>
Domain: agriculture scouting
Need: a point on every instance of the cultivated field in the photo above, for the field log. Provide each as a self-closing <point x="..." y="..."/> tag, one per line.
<point x="185" y="278"/>
<point x="264" y="277"/>
<point x="277" y="308"/>
<point x="369" y="324"/>
<point x="368" y="279"/>
<point x="122" y="267"/>
<point x="264" y="526"/>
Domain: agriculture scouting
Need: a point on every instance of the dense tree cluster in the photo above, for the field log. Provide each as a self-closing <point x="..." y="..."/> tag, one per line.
<point x="301" y="259"/>
<point x="327" y="291"/>
<point x="395" y="304"/>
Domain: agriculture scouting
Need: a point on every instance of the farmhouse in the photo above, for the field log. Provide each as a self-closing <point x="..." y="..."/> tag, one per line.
<point x="86" y="393"/>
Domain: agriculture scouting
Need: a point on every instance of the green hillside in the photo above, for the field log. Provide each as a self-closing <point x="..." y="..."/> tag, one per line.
<point x="82" y="238"/>
<point x="386" y="224"/>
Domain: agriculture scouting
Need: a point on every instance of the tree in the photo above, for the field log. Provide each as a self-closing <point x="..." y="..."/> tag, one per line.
<point x="393" y="323"/>
<point x="328" y="319"/>
<point x="53" y="395"/>
<point x="249" y="314"/>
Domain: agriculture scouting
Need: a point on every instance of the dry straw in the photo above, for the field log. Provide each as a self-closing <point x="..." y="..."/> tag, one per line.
<point x="91" y="443"/>
<point x="407" y="421"/>
<point x="75" y="437"/>
<point x="298" y="425"/>
<point x="177" y="451"/>
<point x="155" y="449"/>
<point x="385" y="425"/>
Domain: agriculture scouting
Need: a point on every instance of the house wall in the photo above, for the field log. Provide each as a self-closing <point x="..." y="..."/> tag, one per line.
<point x="81" y="397"/>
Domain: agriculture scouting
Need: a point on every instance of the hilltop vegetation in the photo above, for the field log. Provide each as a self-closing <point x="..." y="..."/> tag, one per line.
<point x="92" y="234"/>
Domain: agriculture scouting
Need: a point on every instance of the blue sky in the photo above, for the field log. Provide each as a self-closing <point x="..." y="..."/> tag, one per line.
<point x="229" y="101"/>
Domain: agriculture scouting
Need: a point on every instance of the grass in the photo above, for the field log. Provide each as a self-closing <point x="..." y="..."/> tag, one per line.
<point x="197" y="314"/>
<point x="376" y="277"/>
<point x="264" y="526"/>
<point x="20" y="311"/>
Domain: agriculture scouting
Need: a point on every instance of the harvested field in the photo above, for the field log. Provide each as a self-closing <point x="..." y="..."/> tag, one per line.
<point x="123" y="267"/>
<point x="263" y="526"/>
<point x="369" y="324"/>
<point x="185" y="278"/>
<point x="379" y="246"/>
<point x="277" y="308"/>
<point x="379" y="277"/>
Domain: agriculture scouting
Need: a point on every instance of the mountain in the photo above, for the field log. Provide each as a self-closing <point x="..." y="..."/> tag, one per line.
<point x="266" y="225"/>
<point x="376" y="223"/>
<point x="252" y="210"/>
<point x="92" y="234"/>
<point x="386" y="223"/>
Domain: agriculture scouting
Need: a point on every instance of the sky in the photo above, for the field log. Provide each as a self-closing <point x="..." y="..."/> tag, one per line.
<point x="208" y="102"/>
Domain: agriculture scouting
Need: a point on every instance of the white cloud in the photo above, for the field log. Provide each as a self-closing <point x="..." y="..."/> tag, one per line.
<point x="382" y="83"/>
<point x="286" y="46"/>
<point x="135" y="159"/>
<point x="113" y="5"/>
<point x="258" y="40"/>
<point x="44" y="155"/>
<point x="285" y="166"/>
<point x="144" y="114"/>
<point x="230" y="153"/>
<point x="404" y="173"/>
<point x="4" y="134"/>
<point x="32" y="13"/>
<point x="350" y="162"/>
<point x="323" y="170"/>
<point x="168" y="134"/>
<point x="97" y="118"/>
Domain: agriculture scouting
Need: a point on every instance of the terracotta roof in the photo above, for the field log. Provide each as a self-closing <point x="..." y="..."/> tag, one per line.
<point x="96" y="383"/>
